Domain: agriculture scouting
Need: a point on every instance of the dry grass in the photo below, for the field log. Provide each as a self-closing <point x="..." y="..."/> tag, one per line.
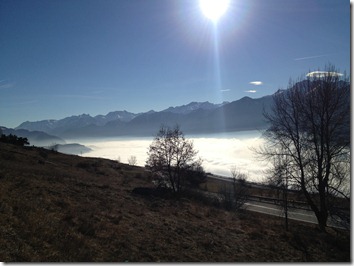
<point x="61" y="208"/>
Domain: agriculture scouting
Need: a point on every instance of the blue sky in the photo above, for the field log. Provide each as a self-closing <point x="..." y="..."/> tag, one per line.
<point x="68" y="57"/>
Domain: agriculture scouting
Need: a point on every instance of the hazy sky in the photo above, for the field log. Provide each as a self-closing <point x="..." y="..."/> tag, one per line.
<point x="68" y="57"/>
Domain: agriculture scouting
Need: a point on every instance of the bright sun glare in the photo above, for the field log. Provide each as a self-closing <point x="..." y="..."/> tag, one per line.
<point x="214" y="9"/>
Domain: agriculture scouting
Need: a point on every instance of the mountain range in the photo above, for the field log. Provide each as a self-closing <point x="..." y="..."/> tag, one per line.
<point x="195" y="118"/>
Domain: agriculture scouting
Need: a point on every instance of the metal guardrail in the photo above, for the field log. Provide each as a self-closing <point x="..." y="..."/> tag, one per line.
<point x="291" y="203"/>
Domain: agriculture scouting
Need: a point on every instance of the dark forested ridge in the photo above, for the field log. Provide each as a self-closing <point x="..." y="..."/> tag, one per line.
<point x="37" y="138"/>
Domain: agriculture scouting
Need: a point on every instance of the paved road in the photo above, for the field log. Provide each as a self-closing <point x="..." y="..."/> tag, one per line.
<point x="276" y="210"/>
<point x="293" y="214"/>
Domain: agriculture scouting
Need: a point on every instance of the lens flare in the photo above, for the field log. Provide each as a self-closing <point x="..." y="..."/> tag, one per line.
<point x="214" y="9"/>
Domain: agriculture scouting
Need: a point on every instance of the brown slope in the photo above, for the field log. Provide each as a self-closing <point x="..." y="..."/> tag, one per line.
<point x="56" y="207"/>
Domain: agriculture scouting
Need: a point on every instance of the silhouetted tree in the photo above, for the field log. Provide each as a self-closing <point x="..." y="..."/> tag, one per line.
<point x="171" y="157"/>
<point x="236" y="195"/>
<point x="278" y="178"/>
<point x="310" y="126"/>
<point x="13" y="139"/>
<point x="132" y="160"/>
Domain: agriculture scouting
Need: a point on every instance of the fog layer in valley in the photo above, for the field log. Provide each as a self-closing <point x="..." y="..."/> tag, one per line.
<point x="219" y="152"/>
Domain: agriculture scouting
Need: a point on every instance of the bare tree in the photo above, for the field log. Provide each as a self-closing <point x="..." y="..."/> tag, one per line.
<point x="240" y="189"/>
<point x="235" y="196"/>
<point x="132" y="160"/>
<point x="279" y="178"/>
<point x="310" y="125"/>
<point x="170" y="156"/>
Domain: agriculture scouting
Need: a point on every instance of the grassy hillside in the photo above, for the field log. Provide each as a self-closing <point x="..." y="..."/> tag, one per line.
<point x="62" y="208"/>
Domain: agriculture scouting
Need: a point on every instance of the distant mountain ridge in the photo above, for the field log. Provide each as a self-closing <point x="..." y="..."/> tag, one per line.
<point x="195" y="117"/>
<point x="59" y="126"/>
<point x="71" y="148"/>
<point x="185" y="109"/>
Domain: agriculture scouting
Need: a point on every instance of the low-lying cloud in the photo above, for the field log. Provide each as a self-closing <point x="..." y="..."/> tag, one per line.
<point x="219" y="154"/>
<point x="251" y="91"/>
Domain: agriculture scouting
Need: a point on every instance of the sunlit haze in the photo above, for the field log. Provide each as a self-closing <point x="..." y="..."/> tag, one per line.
<point x="219" y="153"/>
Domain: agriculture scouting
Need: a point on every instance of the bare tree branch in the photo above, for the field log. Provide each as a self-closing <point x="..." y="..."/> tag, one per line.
<point x="310" y="124"/>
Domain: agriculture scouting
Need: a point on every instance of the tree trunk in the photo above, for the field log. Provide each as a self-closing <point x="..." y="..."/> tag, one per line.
<point x="322" y="220"/>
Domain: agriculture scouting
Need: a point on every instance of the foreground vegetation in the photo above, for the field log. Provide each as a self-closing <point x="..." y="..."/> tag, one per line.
<point x="63" y="208"/>
<point x="308" y="140"/>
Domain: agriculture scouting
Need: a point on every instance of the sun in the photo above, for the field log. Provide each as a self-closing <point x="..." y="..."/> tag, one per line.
<point x="214" y="9"/>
